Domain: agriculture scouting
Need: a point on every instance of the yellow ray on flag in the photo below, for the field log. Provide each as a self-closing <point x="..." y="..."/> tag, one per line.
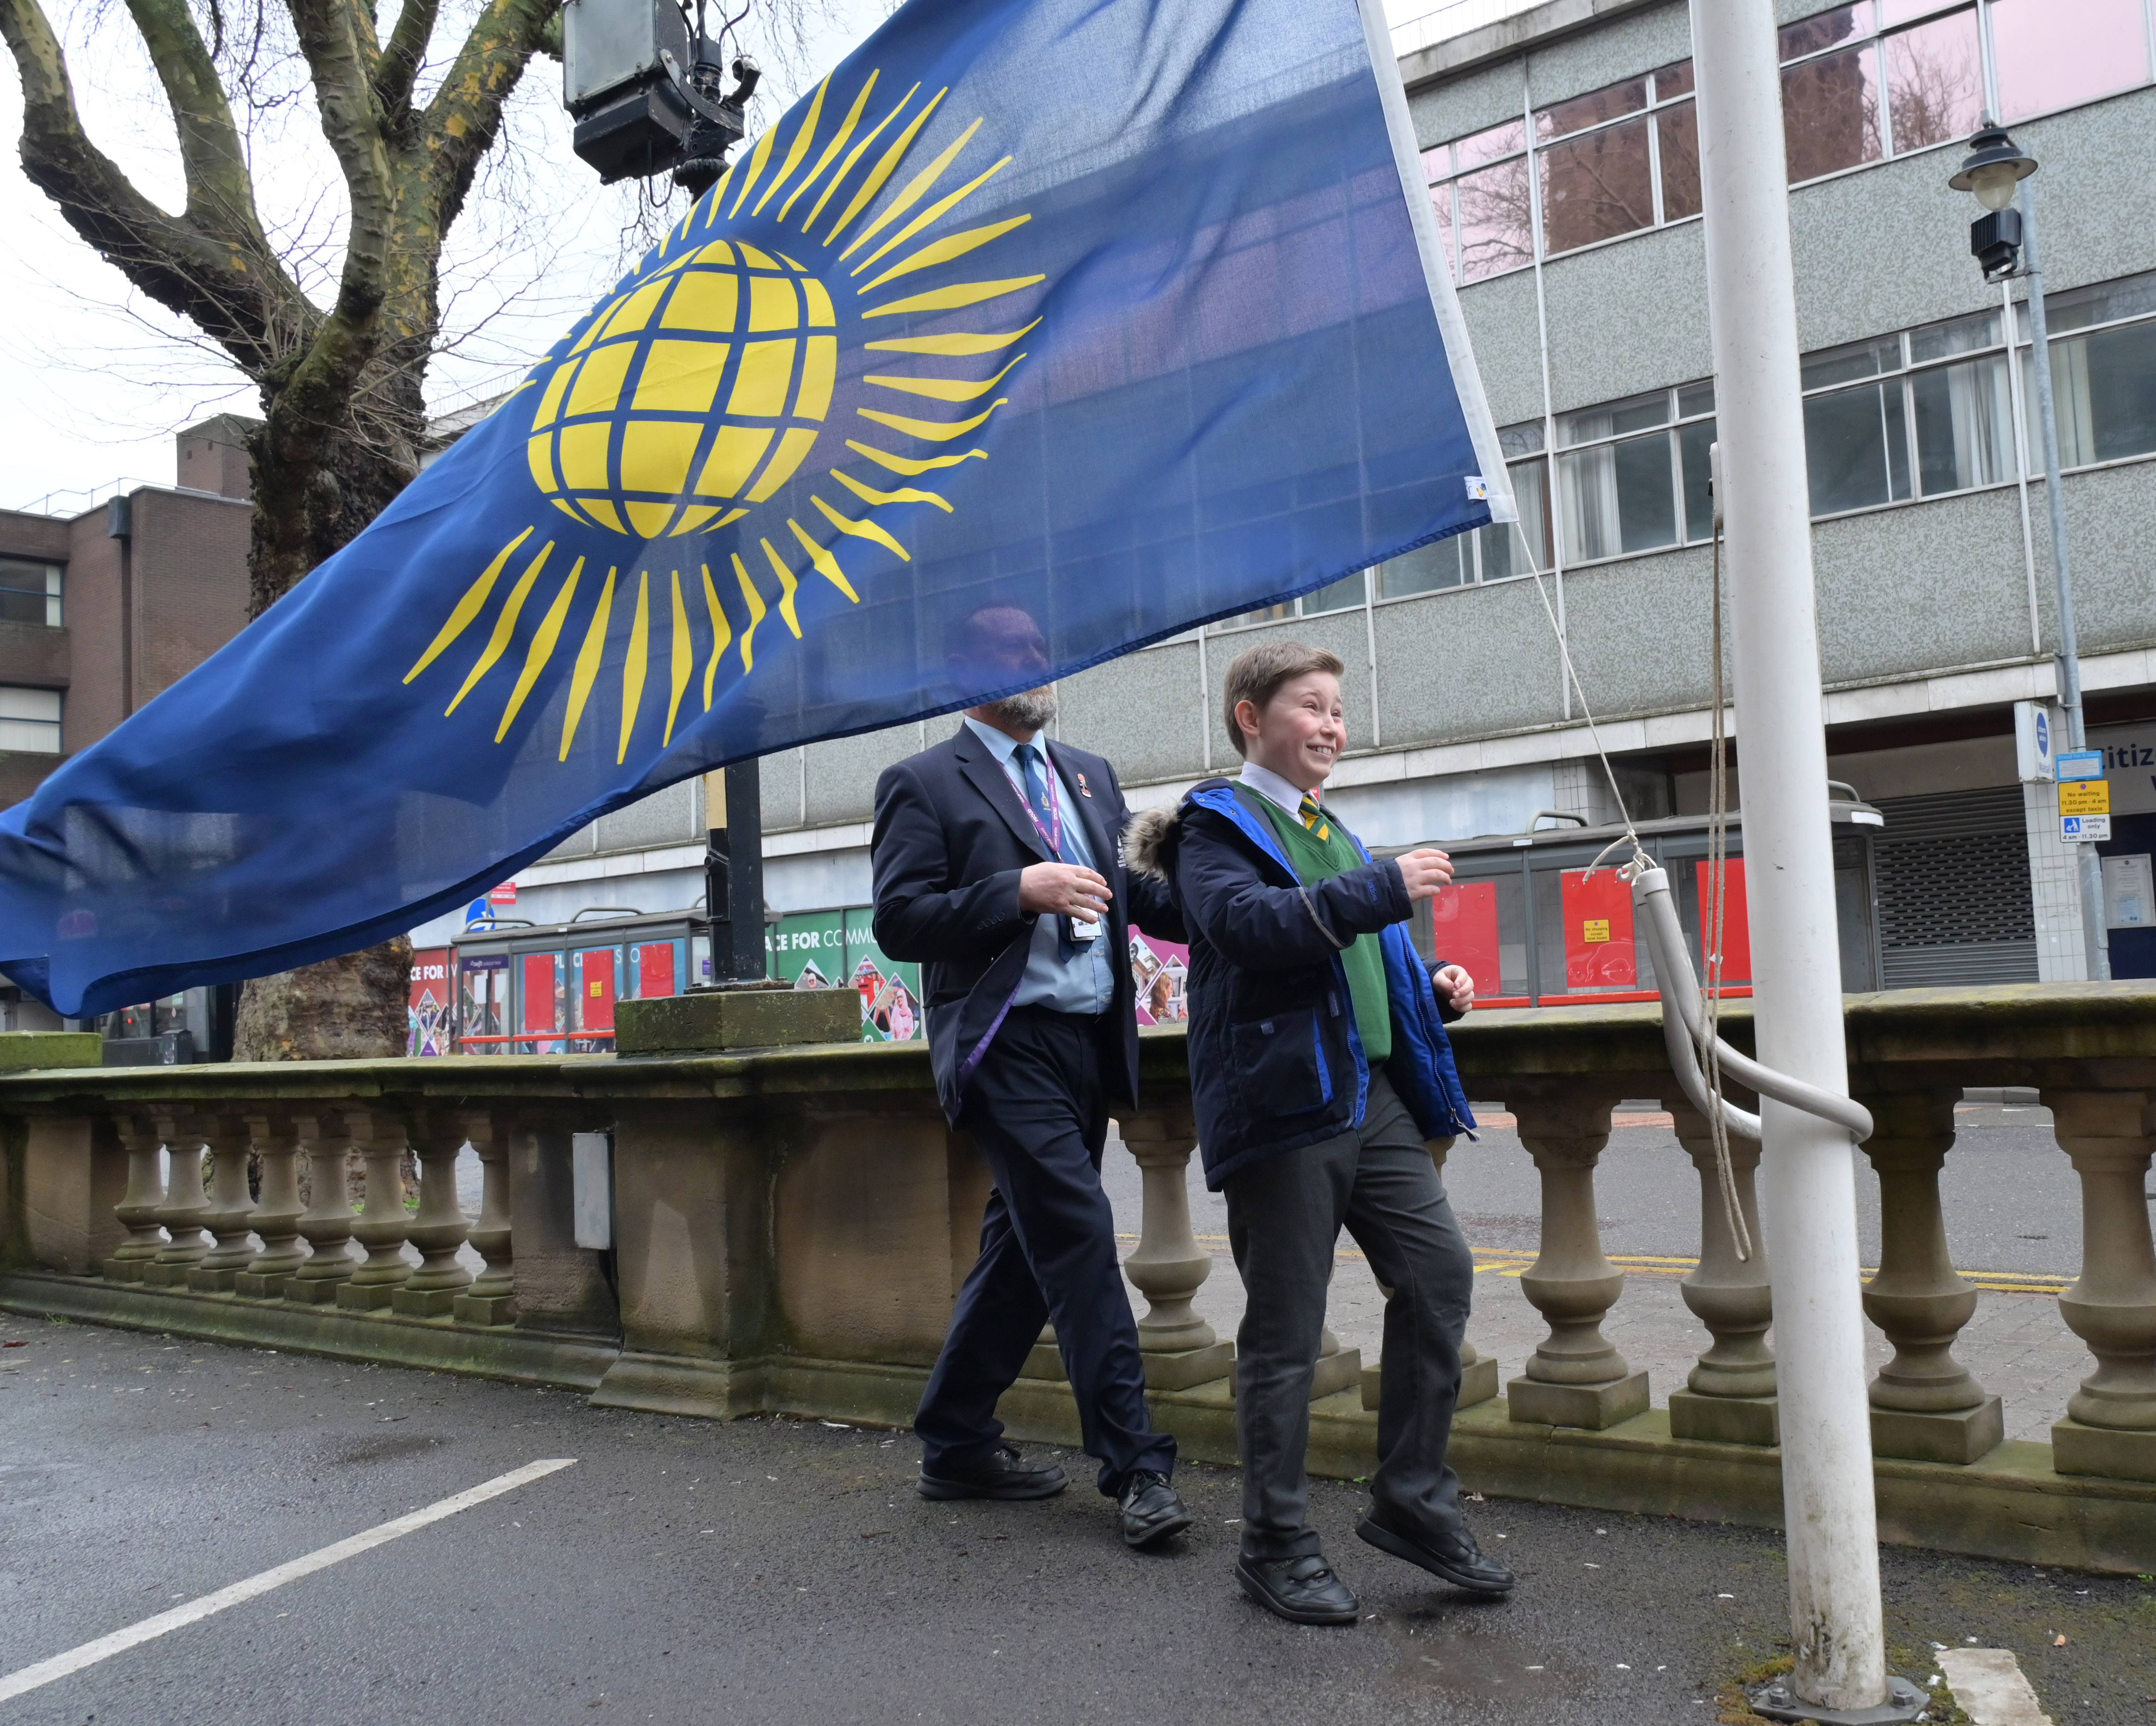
<point x="905" y="494"/>
<point x="830" y="150"/>
<point x="504" y="627"/>
<point x="760" y="155"/>
<point x="542" y="648"/>
<point x="588" y="658"/>
<point x="936" y="431"/>
<point x="911" y="193"/>
<point x="885" y="168"/>
<point x="756" y="608"/>
<point x="860" y="530"/>
<point x="789" y="585"/>
<point x="954" y="297"/>
<point x="827" y="566"/>
<point x="684" y="658"/>
<point x="633" y="663"/>
<point x="846" y="170"/>
<point x="722" y="632"/>
<point x="715" y="199"/>
<point x="935" y="212"/>
<point x="805" y="134"/>
<point x="469" y="607"/>
<point x="941" y="389"/>
<point x="952" y="344"/>
<point x="944" y="251"/>
<point x="911" y="465"/>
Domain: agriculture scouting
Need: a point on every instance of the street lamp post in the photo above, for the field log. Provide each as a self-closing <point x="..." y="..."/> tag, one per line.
<point x="2003" y="242"/>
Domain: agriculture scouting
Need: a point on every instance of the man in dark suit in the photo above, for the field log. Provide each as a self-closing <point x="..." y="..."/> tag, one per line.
<point x="999" y="867"/>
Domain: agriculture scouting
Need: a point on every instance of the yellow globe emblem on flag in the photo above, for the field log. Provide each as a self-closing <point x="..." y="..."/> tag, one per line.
<point x="695" y="394"/>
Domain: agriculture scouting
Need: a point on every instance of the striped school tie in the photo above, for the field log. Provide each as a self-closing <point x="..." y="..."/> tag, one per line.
<point x="1313" y="817"/>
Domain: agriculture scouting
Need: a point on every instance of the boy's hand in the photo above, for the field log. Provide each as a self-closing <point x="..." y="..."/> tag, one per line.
<point x="1455" y="987"/>
<point x="1425" y="872"/>
<point x="1063" y="889"/>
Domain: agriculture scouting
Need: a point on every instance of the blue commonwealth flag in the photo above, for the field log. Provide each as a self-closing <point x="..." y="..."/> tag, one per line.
<point x="1125" y="316"/>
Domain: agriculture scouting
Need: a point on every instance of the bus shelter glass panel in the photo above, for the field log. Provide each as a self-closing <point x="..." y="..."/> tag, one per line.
<point x="1481" y="925"/>
<point x="541" y="1006"/>
<point x="656" y="968"/>
<point x="482" y="1003"/>
<point x="595" y="984"/>
<point x="1584" y="935"/>
<point x="889" y="988"/>
<point x="807" y="948"/>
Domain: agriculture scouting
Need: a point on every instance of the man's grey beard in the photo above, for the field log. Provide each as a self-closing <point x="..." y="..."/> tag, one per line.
<point x="1029" y="710"/>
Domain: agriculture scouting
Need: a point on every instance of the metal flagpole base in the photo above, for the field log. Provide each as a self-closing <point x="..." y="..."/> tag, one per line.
<point x="1904" y="1701"/>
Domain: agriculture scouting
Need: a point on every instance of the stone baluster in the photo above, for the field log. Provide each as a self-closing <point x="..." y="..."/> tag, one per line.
<point x="491" y="1298"/>
<point x="1925" y="1404"/>
<point x="139" y="1206"/>
<point x="326" y="1224"/>
<point x="231" y="1216"/>
<point x="383" y="1223"/>
<point x="277" y="1215"/>
<point x="184" y="1208"/>
<point x="1169" y="1266"/>
<point x="1729" y="1395"/>
<point x="440" y="1229"/>
<point x="2110" y="1427"/>
<point x="1044" y="1359"/>
<point x="1575" y="1376"/>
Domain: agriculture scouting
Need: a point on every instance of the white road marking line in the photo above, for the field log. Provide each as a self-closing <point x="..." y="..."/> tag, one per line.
<point x="31" y="1677"/>
<point x="1988" y="1685"/>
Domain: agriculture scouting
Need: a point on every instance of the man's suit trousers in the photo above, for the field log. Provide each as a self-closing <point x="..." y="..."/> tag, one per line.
<point x="1039" y="1115"/>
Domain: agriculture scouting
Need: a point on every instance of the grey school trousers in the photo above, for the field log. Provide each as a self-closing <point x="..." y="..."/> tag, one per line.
<point x="1284" y="1214"/>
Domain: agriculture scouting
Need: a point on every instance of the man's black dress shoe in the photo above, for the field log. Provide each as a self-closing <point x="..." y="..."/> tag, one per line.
<point x="1302" y="1590"/>
<point x="1001" y="1474"/>
<point x="1149" y="1508"/>
<point x="1454" y="1558"/>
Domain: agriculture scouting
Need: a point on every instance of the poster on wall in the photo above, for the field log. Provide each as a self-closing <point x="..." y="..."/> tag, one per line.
<point x="427" y="1029"/>
<point x="1160" y="969"/>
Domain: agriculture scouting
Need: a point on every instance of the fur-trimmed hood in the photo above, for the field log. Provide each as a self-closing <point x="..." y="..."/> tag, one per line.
<point x="1148" y="840"/>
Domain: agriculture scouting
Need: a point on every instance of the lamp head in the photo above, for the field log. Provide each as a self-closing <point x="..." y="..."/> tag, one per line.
<point x="1994" y="167"/>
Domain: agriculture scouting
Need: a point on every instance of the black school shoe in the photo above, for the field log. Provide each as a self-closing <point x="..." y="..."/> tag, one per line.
<point x="1302" y="1590"/>
<point x="1149" y="1509"/>
<point x="1001" y="1474"/>
<point x="1454" y="1557"/>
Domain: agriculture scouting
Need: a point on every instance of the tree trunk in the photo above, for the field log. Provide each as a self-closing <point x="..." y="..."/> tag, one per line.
<point x="348" y="1008"/>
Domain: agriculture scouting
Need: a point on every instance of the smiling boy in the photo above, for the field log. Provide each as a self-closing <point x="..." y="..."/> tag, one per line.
<point x="1319" y="1067"/>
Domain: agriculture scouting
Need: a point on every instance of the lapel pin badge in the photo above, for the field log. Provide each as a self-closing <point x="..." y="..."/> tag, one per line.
<point x="1083" y="790"/>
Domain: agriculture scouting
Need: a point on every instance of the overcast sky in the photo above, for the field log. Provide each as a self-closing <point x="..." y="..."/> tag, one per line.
<point x="94" y="380"/>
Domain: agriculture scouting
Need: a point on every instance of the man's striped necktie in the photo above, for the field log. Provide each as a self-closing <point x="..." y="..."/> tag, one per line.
<point x="1313" y="817"/>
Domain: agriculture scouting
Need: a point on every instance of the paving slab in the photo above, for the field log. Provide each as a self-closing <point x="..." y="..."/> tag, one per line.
<point x="780" y="1571"/>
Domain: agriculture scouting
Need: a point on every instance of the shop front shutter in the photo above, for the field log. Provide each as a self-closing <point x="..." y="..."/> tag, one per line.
<point x="1950" y="872"/>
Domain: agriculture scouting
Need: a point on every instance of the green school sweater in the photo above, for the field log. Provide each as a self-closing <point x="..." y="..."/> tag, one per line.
<point x="1316" y="859"/>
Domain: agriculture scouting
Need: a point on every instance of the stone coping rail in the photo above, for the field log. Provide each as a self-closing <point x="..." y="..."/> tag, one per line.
<point x="785" y="1228"/>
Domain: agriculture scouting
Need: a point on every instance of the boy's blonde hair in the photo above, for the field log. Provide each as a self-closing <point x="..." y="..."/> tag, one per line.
<point x="1257" y="674"/>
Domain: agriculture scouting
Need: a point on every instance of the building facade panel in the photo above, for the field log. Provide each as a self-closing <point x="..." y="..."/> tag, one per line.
<point x="2110" y="528"/>
<point x="1628" y="317"/>
<point x="1933" y="585"/>
<point x="1502" y="325"/>
<point x="1641" y="632"/>
<point x="670" y="817"/>
<point x="1466" y="664"/>
<point x="1488" y="96"/>
<point x="842" y="774"/>
<point x="1625" y="47"/>
<point x="1147" y="713"/>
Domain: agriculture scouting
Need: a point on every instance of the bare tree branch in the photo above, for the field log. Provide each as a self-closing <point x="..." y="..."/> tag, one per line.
<point x="399" y="69"/>
<point x="462" y="120"/>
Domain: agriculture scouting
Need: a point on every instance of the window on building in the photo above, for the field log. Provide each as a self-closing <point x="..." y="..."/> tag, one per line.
<point x="1493" y="554"/>
<point x="1339" y="596"/>
<point x="2103" y="373"/>
<point x="1632" y="475"/>
<point x="30" y="720"/>
<point x="29" y="593"/>
<point x="1913" y="427"/>
<point x="2058" y="53"/>
<point x="1860" y="84"/>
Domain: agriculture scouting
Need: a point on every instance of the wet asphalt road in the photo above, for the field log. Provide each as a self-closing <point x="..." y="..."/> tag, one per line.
<point x="781" y="1571"/>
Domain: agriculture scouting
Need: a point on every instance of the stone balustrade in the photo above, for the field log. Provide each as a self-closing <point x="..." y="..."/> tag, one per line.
<point x="785" y="1230"/>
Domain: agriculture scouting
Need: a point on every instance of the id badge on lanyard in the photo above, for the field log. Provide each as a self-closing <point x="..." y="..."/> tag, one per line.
<point x="1077" y="931"/>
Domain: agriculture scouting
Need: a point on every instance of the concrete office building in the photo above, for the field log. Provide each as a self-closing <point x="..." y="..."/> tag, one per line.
<point x="105" y="608"/>
<point x="1560" y="148"/>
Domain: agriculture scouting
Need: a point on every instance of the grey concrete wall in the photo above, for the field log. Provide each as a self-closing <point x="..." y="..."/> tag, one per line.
<point x="1624" y="49"/>
<point x="1466" y="663"/>
<point x="2111" y="527"/>
<point x="1922" y="587"/>
<point x="1502" y="324"/>
<point x="1640" y="633"/>
<point x="842" y="774"/>
<point x="1143" y="711"/>
<point x="1628" y="317"/>
<point x="1487" y="96"/>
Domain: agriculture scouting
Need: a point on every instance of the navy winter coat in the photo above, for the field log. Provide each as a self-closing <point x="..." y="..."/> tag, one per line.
<point x="1275" y="1060"/>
